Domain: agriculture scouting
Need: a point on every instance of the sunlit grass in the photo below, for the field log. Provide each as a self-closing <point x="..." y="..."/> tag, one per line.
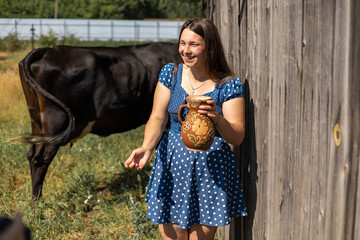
<point x="87" y="194"/>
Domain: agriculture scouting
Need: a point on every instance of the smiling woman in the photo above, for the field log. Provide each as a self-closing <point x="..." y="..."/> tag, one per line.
<point x="191" y="193"/>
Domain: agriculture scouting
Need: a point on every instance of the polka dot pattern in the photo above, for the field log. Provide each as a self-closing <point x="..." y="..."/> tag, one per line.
<point x="188" y="187"/>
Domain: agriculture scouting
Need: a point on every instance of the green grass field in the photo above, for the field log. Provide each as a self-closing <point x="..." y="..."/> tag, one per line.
<point x="87" y="194"/>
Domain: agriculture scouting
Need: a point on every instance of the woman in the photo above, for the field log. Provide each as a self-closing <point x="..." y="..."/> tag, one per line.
<point x="191" y="193"/>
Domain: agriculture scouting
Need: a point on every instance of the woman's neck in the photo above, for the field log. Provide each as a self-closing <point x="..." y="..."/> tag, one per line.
<point x="198" y="74"/>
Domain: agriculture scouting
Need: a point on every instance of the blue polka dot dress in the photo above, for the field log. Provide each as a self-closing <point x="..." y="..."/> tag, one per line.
<point x="188" y="187"/>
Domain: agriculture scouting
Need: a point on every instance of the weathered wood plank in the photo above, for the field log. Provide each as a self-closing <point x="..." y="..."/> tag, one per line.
<point x="246" y="153"/>
<point x="259" y="83"/>
<point x="353" y="227"/>
<point x="304" y="109"/>
<point x="341" y="160"/>
<point x="225" y="15"/>
<point x="317" y="45"/>
<point x="286" y="58"/>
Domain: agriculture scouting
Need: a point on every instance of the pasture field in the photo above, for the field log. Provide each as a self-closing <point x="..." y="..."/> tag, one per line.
<point x="87" y="194"/>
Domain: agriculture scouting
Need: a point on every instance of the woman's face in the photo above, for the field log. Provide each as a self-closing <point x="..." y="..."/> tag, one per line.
<point x="192" y="49"/>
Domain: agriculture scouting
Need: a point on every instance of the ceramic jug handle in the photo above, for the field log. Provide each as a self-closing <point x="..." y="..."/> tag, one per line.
<point x="179" y="112"/>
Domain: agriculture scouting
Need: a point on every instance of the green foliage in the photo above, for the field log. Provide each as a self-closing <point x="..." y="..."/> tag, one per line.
<point x="11" y="43"/>
<point x="144" y="229"/>
<point x="27" y="8"/>
<point x="49" y="40"/>
<point x="107" y="43"/>
<point x="181" y="9"/>
<point x="70" y="40"/>
<point x="101" y="9"/>
<point x="52" y="40"/>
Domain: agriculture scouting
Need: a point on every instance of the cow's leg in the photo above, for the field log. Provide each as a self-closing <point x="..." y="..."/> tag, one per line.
<point x="40" y="157"/>
<point x="52" y="121"/>
<point x="38" y="168"/>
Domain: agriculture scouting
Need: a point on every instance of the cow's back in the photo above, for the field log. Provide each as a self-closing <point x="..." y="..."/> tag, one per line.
<point x="111" y="88"/>
<point x="123" y="98"/>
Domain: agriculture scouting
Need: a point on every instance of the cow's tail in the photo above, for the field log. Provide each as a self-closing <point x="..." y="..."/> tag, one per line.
<point x="61" y="138"/>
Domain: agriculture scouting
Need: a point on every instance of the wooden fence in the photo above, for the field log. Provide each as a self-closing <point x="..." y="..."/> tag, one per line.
<point x="300" y="65"/>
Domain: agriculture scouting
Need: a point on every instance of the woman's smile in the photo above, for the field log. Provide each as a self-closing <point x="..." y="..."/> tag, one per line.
<point x="188" y="58"/>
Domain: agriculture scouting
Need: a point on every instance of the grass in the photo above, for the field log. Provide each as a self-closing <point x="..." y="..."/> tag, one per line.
<point x="87" y="194"/>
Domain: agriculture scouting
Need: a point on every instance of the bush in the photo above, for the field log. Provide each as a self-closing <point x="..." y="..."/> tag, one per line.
<point x="70" y="40"/>
<point x="49" y="40"/>
<point x="11" y="43"/>
<point x="2" y="45"/>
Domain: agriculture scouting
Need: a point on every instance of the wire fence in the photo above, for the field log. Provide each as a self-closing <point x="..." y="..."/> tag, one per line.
<point x="90" y="30"/>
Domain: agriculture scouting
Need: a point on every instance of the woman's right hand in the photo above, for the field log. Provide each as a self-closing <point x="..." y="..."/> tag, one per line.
<point x="138" y="158"/>
<point x="153" y="129"/>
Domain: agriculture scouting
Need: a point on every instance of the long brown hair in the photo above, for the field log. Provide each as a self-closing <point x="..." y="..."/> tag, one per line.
<point x="215" y="60"/>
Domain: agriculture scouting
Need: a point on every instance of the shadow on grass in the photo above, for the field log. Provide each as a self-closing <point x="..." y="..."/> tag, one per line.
<point x="85" y="191"/>
<point x="131" y="181"/>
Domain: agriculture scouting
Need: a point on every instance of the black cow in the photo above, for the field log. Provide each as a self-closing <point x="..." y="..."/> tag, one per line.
<point x="71" y="91"/>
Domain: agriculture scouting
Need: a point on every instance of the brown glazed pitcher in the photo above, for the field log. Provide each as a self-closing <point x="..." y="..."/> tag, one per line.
<point x="197" y="130"/>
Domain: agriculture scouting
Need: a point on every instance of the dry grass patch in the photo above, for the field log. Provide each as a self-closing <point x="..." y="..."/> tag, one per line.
<point x="12" y="99"/>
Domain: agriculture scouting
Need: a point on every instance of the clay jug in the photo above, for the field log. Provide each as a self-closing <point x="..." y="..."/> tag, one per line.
<point x="197" y="130"/>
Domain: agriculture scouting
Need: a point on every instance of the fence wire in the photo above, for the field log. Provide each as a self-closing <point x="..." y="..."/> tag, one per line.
<point x="90" y="30"/>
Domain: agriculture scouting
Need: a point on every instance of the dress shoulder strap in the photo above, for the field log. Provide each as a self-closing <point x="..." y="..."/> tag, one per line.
<point x="175" y="75"/>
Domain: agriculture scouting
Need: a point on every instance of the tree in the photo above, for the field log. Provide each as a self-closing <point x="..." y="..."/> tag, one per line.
<point x="101" y="9"/>
<point x="180" y="8"/>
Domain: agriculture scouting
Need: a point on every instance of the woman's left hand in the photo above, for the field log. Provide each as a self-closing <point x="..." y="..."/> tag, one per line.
<point x="209" y="109"/>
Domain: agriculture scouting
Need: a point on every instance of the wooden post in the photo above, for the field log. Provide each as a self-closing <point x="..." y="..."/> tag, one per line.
<point x="32" y="29"/>
<point x="112" y="30"/>
<point x="88" y="30"/>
